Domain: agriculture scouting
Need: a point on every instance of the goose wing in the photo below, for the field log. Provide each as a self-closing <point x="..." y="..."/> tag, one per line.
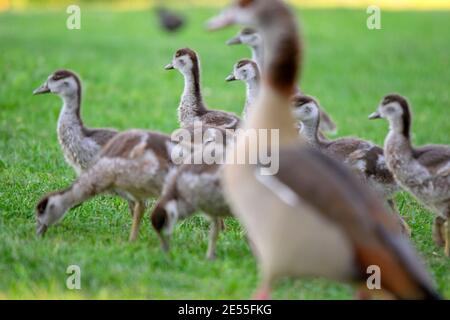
<point x="435" y="157"/>
<point x="346" y="202"/>
<point x="221" y="119"/>
<point x="100" y="136"/>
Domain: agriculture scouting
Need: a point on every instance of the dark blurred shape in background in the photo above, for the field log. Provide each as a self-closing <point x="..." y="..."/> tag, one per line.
<point x="169" y="20"/>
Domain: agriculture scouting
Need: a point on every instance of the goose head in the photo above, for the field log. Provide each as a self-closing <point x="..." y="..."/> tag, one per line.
<point x="184" y="60"/>
<point x="247" y="36"/>
<point x="49" y="211"/>
<point x="395" y="109"/>
<point x="165" y="215"/>
<point x="64" y="83"/>
<point x="244" y="70"/>
<point x="305" y="109"/>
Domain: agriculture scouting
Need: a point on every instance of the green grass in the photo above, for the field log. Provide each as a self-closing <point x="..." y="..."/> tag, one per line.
<point x="120" y="57"/>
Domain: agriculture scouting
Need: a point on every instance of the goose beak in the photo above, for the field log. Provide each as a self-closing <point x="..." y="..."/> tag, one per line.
<point x="224" y="19"/>
<point x="169" y="67"/>
<point x="231" y="77"/>
<point x="42" y="89"/>
<point x="41" y="229"/>
<point x="375" y="115"/>
<point x="233" y="41"/>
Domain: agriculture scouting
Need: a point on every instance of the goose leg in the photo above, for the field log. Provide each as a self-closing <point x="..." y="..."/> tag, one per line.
<point x="406" y="230"/>
<point x="447" y="238"/>
<point x="138" y="212"/>
<point x="439" y="232"/>
<point x="264" y="289"/>
<point x="213" y="235"/>
<point x="131" y="205"/>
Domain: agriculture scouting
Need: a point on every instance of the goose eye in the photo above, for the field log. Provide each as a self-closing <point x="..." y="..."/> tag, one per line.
<point x="42" y="206"/>
<point x="390" y="109"/>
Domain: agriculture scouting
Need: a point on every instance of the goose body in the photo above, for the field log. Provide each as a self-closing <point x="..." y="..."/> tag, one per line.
<point x="192" y="107"/>
<point x="312" y="217"/>
<point x="423" y="171"/>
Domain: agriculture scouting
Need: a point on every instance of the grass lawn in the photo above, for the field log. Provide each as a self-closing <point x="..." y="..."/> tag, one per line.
<point x="120" y="57"/>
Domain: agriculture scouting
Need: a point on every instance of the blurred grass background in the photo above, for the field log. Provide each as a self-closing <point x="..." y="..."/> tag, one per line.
<point x="145" y="4"/>
<point x="120" y="57"/>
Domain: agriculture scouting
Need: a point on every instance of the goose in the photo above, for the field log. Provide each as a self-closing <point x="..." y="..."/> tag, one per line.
<point x="192" y="108"/>
<point x="423" y="171"/>
<point x="193" y="187"/>
<point x="364" y="157"/>
<point x="247" y="71"/>
<point x="134" y="163"/>
<point x="312" y="217"/>
<point x="253" y="39"/>
<point x="80" y="145"/>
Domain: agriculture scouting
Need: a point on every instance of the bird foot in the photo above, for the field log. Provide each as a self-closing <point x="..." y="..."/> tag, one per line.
<point x="262" y="294"/>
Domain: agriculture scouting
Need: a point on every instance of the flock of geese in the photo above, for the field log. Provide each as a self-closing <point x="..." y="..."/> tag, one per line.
<point x="319" y="215"/>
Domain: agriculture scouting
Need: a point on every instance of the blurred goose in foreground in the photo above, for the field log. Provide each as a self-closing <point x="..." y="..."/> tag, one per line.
<point x="364" y="157"/>
<point x="253" y="39"/>
<point x="312" y="217"/>
<point x="423" y="171"/>
<point x="192" y="107"/>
